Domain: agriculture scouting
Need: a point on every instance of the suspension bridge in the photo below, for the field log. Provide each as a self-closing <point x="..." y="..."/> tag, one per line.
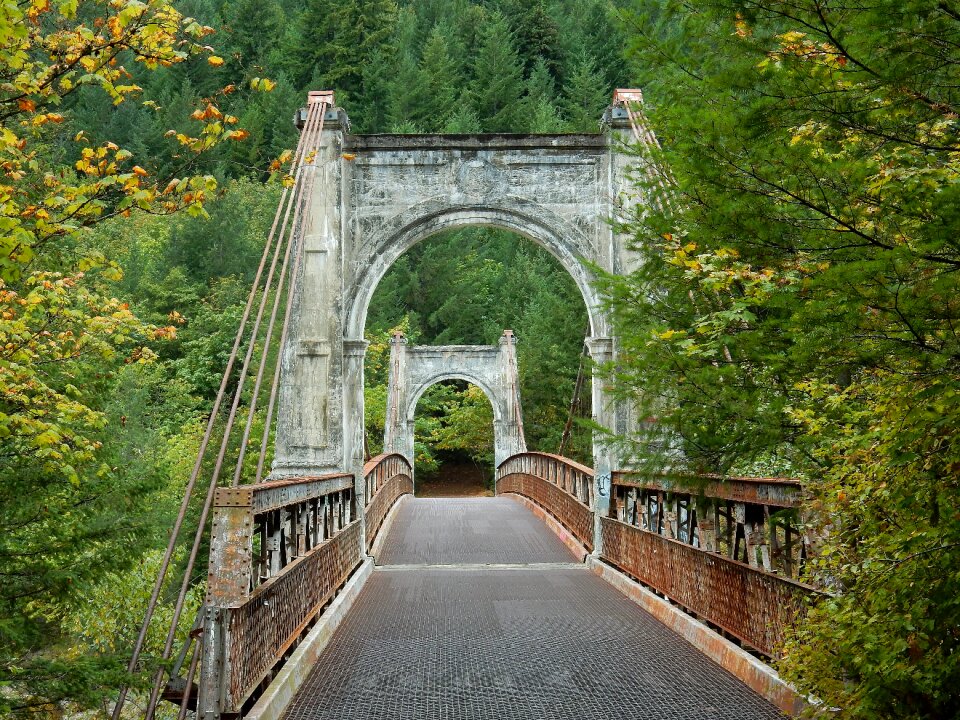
<point x="576" y="591"/>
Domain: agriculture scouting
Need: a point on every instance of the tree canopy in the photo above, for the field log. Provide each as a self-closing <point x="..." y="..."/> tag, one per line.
<point x="795" y="312"/>
<point x="141" y="145"/>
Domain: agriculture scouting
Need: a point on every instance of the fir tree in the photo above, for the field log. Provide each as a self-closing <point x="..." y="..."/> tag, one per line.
<point x="498" y="83"/>
<point x="337" y="39"/>
<point x="539" y="106"/>
<point x="797" y="305"/>
<point x="463" y="119"/>
<point x="248" y="22"/>
<point x="585" y="96"/>
<point x="536" y="32"/>
<point x="438" y="84"/>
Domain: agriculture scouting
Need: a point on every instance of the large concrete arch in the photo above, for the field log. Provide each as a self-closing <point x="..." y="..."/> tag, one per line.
<point x="436" y="215"/>
<point x="492" y="368"/>
<point x="372" y="197"/>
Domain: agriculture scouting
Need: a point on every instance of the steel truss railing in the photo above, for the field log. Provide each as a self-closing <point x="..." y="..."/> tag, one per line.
<point x="386" y="477"/>
<point x="279" y="553"/>
<point x="562" y="487"/>
<point x="754" y="520"/>
<point x="728" y="550"/>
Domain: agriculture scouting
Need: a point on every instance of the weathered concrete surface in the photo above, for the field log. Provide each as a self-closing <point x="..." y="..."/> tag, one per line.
<point x="755" y="674"/>
<point x="371" y="198"/>
<point x="492" y="368"/>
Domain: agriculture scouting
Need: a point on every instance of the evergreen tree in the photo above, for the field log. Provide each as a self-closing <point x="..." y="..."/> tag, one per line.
<point x="463" y="119"/>
<point x="585" y="96"/>
<point x="337" y="40"/>
<point x="498" y="82"/>
<point x="438" y="82"/>
<point x="403" y="101"/>
<point x="797" y="305"/>
<point x="539" y="107"/>
<point x="536" y="32"/>
<point x="374" y="107"/>
<point x="247" y="24"/>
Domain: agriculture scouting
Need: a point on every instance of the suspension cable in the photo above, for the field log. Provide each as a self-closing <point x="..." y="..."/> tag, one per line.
<point x="632" y="103"/>
<point x="575" y="399"/>
<point x="290" y="197"/>
<point x="312" y="132"/>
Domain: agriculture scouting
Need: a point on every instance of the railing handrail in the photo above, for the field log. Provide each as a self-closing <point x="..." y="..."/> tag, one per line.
<point x="796" y="482"/>
<point x="295" y="480"/>
<point x="559" y="458"/>
<point x="371" y="464"/>
<point x="257" y="646"/>
<point x="778" y="492"/>
<point x="256" y="498"/>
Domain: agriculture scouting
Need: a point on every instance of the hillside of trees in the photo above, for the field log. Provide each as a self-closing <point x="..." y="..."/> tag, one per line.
<point x="796" y="313"/>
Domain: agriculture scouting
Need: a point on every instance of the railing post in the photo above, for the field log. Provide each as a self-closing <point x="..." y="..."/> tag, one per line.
<point x="707" y="524"/>
<point x="354" y="352"/>
<point x="604" y="414"/>
<point x="211" y="689"/>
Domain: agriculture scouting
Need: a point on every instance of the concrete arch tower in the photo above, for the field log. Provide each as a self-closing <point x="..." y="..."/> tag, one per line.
<point x="372" y="197"/>
<point x="492" y="368"/>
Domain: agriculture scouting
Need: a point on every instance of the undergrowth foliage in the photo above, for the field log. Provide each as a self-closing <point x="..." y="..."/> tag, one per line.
<point x="138" y="142"/>
<point x="71" y="509"/>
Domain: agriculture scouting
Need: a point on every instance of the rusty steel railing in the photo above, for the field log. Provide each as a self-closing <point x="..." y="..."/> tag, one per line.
<point x="241" y="419"/>
<point x="754" y="606"/>
<point x="560" y="486"/>
<point x="386" y="478"/>
<point x="279" y="553"/>
<point x="727" y="550"/>
<point x="754" y="520"/>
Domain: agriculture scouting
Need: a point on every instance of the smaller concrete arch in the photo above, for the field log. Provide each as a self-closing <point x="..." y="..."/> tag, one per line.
<point x="417" y="392"/>
<point x="492" y="368"/>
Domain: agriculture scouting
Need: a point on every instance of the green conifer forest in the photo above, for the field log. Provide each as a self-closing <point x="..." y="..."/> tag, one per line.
<point x="796" y="312"/>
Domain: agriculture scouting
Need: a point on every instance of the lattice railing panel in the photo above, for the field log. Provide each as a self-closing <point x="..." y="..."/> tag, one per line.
<point x="560" y="486"/>
<point x="752" y="605"/>
<point x="387" y="478"/>
<point x="759" y="521"/>
<point x="261" y="630"/>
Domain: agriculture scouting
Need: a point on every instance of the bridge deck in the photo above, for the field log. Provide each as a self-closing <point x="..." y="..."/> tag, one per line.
<point x="482" y="530"/>
<point x="539" y="638"/>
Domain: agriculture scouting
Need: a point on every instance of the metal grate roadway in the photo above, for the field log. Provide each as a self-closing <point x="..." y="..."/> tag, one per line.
<point x="440" y="644"/>
<point x="535" y="641"/>
<point x="454" y="531"/>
